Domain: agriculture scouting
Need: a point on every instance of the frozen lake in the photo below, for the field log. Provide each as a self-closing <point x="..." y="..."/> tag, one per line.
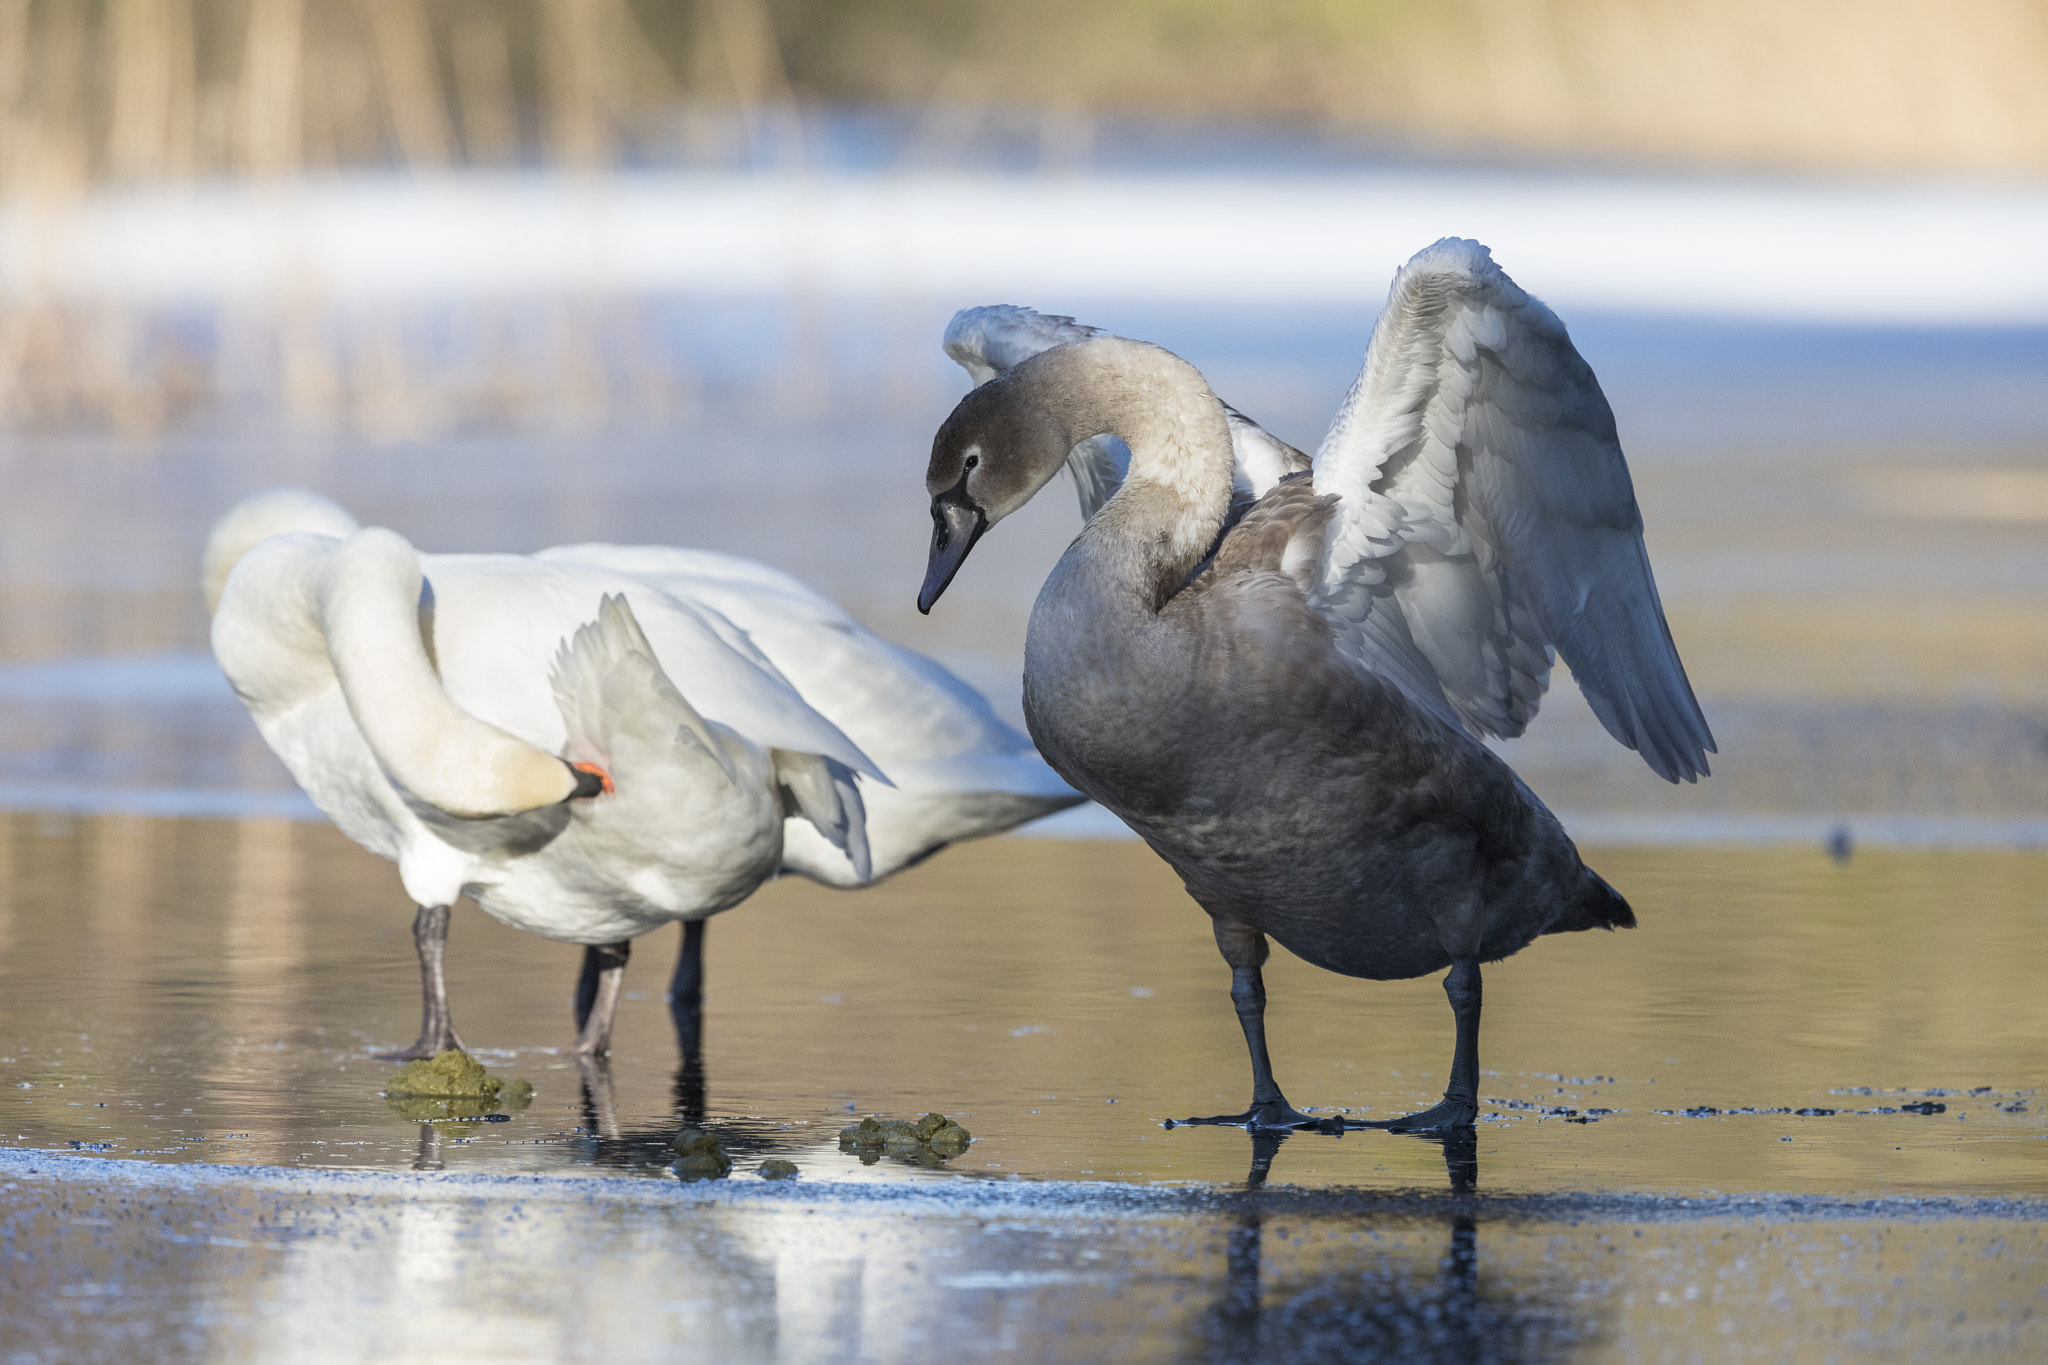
<point x="1796" y="1112"/>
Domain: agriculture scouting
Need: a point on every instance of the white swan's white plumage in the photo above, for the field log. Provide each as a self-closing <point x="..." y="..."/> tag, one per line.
<point x="1485" y="519"/>
<point x="424" y="702"/>
<point x="957" y="771"/>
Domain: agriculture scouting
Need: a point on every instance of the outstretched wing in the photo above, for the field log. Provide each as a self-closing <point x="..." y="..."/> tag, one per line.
<point x="1483" y="495"/>
<point x="990" y="340"/>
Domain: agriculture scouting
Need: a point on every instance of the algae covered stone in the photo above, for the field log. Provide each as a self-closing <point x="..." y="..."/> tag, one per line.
<point x="699" y="1157"/>
<point x="452" y="1086"/>
<point x="866" y="1133"/>
<point x="449" y="1075"/>
<point x="929" y="1141"/>
<point x="775" y="1168"/>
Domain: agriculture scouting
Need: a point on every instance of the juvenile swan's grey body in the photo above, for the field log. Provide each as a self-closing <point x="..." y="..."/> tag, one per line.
<point x="1286" y="714"/>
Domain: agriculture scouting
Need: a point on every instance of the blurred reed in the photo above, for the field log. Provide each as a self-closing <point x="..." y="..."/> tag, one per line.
<point x="106" y="95"/>
<point x="1881" y="86"/>
<point x="137" y="90"/>
<point x="100" y="96"/>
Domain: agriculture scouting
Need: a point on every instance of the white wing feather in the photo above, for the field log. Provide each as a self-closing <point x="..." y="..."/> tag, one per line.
<point x="1483" y="494"/>
<point x="501" y="610"/>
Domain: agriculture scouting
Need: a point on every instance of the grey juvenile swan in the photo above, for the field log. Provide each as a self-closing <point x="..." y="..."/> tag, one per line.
<point x="1287" y="708"/>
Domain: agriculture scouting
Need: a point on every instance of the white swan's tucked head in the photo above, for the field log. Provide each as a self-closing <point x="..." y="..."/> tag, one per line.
<point x="255" y="519"/>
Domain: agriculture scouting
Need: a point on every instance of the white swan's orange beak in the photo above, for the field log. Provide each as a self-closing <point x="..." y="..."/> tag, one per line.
<point x="591" y="780"/>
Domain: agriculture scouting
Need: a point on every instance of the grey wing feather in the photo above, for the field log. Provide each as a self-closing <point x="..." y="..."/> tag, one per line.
<point x="1479" y="474"/>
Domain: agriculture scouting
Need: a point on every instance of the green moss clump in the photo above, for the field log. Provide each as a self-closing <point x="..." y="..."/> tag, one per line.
<point x="777" y="1169"/>
<point x="451" y="1086"/>
<point x="699" y="1157"/>
<point x="928" y="1142"/>
<point x="446" y="1075"/>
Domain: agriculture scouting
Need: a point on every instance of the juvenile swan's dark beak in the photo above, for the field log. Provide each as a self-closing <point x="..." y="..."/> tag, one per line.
<point x="956" y="525"/>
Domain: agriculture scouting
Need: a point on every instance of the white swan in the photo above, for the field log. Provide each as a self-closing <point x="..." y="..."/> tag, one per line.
<point x="433" y="707"/>
<point x="720" y="626"/>
<point x="1287" y="715"/>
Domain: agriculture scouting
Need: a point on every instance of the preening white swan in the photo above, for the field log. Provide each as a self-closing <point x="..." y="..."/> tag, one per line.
<point x="1287" y="713"/>
<point x="433" y="707"/>
<point x="411" y="695"/>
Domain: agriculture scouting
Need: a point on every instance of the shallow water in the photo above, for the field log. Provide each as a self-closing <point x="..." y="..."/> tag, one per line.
<point x="212" y="991"/>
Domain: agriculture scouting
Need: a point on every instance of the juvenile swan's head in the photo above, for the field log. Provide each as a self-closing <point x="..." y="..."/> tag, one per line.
<point x="997" y="448"/>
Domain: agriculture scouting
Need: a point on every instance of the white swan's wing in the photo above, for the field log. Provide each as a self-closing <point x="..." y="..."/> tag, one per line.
<point x="754" y="592"/>
<point x="1482" y="492"/>
<point x="989" y="341"/>
<point x="501" y="617"/>
<point x="959" y="771"/>
<point x="903" y="709"/>
<point x="618" y="705"/>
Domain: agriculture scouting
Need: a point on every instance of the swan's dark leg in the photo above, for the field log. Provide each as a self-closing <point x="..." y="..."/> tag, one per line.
<point x="1460" y="1106"/>
<point x="437" y="1026"/>
<point x="686" y="991"/>
<point x="1245" y="950"/>
<point x="429" y="1158"/>
<point x="597" y="995"/>
<point x="600" y="1104"/>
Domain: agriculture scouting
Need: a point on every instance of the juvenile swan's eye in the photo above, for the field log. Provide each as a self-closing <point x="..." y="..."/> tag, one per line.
<point x="972" y="461"/>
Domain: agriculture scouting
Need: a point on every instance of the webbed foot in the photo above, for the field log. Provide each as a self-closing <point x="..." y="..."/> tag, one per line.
<point x="1271" y="1116"/>
<point x="1450" y="1114"/>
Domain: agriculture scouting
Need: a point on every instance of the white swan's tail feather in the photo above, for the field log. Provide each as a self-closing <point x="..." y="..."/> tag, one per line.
<point x="823" y="792"/>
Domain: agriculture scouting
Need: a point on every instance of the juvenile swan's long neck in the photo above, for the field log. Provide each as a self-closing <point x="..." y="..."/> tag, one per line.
<point x="1165" y="517"/>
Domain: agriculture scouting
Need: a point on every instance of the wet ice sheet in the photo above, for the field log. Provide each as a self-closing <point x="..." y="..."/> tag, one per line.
<point x="212" y="991"/>
<point x="235" y="1264"/>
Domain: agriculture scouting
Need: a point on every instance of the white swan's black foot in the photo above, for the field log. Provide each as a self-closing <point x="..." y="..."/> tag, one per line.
<point x="1273" y="1116"/>
<point x="1447" y="1116"/>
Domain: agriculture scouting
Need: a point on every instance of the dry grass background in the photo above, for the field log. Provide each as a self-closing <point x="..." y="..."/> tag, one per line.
<point x="98" y="93"/>
<point x="137" y="89"/>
